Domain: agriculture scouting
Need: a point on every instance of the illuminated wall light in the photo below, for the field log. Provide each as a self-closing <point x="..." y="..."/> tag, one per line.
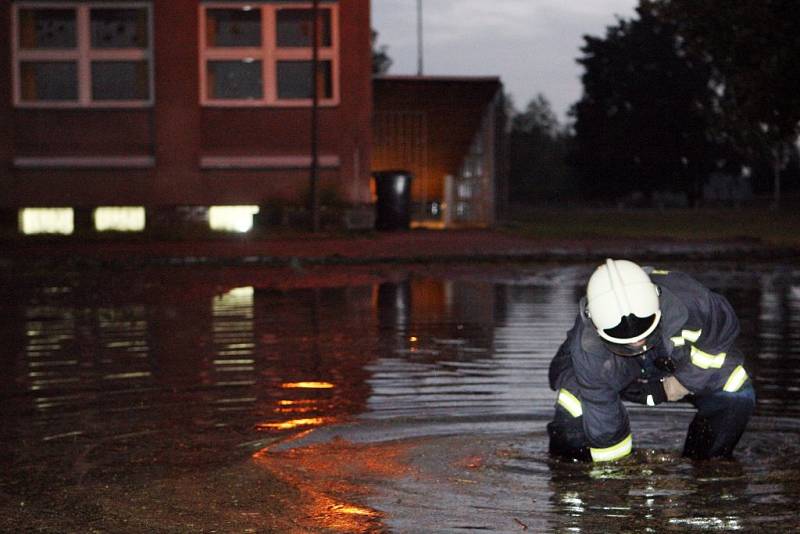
<point x="242" y="292"/>
<point x="231" y="218"/>
<point x="119" y="219"/>
<point x="46" y="221"/>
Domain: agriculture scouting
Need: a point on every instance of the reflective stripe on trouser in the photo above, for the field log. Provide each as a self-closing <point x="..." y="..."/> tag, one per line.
<point x="614" y="452"/>
<point x="570" y="402"/>
<point x="736" y="380"/>
<point x="567" y="438"/>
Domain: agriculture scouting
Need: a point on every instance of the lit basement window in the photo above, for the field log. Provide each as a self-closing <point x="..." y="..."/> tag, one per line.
<point x="231" y="218"/>
<point x="119" y="219"/>
<point x="46" y="221"/>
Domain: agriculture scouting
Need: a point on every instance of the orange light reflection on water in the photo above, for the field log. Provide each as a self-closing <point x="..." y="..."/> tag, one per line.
<point x="295" y="402"/>
<point x="340" y="516"/>
<point x="330" y="479"/>
<point x="354" y="510"/>
<point x="295" y="423"/>
<point x="307" y="385"/>
<point x="296" y="409"/>
<point x="297" y="406"/>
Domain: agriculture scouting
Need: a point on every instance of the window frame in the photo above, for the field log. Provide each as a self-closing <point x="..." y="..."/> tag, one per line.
<point x="83" y="55"/>
<point x="269" y="54"/>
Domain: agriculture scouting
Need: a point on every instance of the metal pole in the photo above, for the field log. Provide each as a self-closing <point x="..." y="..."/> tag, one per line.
<point x="314" y="178"/>
<point x="419" y="37"/>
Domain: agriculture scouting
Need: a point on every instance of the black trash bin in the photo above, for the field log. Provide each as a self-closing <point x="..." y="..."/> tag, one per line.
<point x="393" y="208"/>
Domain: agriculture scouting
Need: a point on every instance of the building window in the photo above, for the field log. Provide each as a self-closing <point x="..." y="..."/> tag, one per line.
<point x="82" y="54"/>
<point x="262" y="54"/>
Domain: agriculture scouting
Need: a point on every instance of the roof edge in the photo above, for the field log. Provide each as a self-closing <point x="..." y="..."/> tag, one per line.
<point x="437" y="78"/>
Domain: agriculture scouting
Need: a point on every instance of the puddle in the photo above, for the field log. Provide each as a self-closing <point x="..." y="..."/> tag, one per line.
<point x="408" y="401"/>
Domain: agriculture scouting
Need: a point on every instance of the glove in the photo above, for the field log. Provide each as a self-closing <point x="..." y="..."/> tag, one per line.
<point x="644" y="392"/>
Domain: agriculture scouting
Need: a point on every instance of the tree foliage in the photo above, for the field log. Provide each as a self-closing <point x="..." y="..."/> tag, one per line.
<point x="381" y="62"/>
<point x="538" y="117"/>
<point x="538" y="169"/>
<point x="642" y="123"/>
<point x="753" y="49"/>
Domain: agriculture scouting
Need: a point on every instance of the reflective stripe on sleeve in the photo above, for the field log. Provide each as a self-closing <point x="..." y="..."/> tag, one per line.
<point x="615" y="452"/>
<point x="691" y="335"/>
<point x="736" y="380"/>
<point x="705" y="360"/>
<point x="686" y="335"/>
<point x="570" y="403"/>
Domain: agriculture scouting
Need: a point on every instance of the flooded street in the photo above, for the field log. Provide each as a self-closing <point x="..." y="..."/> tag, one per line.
<point x="410" y="400"/>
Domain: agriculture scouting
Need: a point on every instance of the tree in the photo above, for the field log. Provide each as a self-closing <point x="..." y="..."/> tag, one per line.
<point x="381" y="62"/>
<point x="754" y="51"/>
<point x="538" y="117"/>
<point x="538" y="170"/>
<point x="641" y="124"/>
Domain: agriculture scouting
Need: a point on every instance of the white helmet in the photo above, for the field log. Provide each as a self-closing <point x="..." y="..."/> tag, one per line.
<point x="622" y="303"/>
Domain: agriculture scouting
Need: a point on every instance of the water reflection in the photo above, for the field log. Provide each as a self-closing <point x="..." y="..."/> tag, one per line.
<point x="663" y="493"/>
<point x="84" y="365"/>
<point x="233" y="370"/>
<point x="186" y="371"/>
<point x="48" y="331"/>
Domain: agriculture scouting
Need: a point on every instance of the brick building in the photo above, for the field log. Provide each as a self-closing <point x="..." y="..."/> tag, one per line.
<point x="114" y="113"/>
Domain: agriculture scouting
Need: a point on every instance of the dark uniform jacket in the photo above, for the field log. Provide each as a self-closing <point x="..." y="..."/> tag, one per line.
<point x="698" y="329"/>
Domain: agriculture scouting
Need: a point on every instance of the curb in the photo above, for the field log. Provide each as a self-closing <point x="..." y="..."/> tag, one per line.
<point x="666" y="252"/>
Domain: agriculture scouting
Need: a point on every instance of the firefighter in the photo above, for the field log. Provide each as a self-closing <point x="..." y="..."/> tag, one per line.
<point x="648" y="336"/>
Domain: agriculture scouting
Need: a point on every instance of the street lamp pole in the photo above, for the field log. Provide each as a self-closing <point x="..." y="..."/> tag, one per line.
<point x="419" y="38"/>
<point x="314" y="174"/>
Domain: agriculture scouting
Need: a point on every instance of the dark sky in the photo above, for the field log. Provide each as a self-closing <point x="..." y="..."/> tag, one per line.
<point x="530" y="44"/>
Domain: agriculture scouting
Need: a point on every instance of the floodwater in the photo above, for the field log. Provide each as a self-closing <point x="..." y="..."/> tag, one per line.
<point x="183" y="400"/>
